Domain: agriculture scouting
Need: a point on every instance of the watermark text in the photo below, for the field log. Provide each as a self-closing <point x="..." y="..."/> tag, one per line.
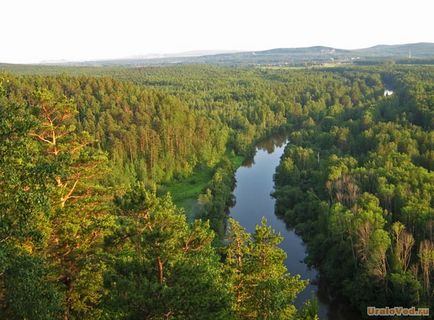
<point x="397" y="311"/>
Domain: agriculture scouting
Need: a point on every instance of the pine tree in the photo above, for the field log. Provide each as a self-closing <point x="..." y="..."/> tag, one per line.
<point x="162" y="267"/>
<point x="260" y="281"/>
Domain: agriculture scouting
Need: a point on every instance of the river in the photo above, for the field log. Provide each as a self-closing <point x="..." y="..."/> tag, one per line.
<point x="253" y="201"/>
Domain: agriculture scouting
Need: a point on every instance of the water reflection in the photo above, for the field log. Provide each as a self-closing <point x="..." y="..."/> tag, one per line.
<point x="269" y="145"/>
<point x="275" y="141"/>
<point x="253" y="201"/>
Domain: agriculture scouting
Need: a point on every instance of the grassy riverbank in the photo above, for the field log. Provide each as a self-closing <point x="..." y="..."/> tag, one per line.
<point x="185" y="191"/>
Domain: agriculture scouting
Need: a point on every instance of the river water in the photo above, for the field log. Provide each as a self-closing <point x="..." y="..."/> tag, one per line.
<point x="253" y="201"/>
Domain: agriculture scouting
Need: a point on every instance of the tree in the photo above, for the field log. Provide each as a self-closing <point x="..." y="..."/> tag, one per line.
<point x="405" y="289"/>
<point x="372" y="241"/>
<point x="30" y="293"/>
<point x="426" y="258"/>
<point x="79" y="214"/>
<point x="404" y="242"/>
<point x="260" y="282"/>
<point x="161" y="267"/>
<point x="26" y="286"/>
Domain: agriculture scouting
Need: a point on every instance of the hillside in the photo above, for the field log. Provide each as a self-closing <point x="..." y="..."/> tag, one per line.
<point x="279" y="56"/>
<point x="415" y="50"/>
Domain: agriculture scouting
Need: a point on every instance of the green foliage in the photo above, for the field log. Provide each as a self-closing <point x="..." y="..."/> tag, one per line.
<point x="405" y="289"/>
<point x="30" y="293"/>
<point x="218" y="196"/>
<point x="356" y="180"/>
<point x="23" y="176"/>
<point x="259" y="280"/>
<point x="55" y="210"/>
<point x="309" y="311"/>
<point x="185" y="191"/>
<point x="369" y="172"/>
<point x="163" y="268"/>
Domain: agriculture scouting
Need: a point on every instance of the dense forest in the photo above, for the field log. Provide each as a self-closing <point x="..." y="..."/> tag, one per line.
<point x="358" y="185"/>
<point x="115" y="184"/>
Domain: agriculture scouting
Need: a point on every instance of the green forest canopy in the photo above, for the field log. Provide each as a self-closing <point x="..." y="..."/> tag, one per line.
<point x="87" y="155"/>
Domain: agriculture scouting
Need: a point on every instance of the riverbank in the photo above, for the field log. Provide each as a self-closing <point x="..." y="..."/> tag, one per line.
<point x="185" y="191"/>
<point x="253" y="201"/>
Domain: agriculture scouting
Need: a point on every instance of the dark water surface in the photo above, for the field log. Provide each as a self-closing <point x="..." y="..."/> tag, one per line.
<point x="253" y="201"/>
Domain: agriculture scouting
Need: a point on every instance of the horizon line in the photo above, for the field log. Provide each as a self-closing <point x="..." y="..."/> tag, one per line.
<point x="191" y="54"/>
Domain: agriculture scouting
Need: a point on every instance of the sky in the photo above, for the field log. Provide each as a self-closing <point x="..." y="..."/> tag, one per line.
<point x="34" y="31"/>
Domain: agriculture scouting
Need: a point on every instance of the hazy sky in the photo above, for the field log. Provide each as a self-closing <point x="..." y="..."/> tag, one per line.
<point x="32" y="30"/>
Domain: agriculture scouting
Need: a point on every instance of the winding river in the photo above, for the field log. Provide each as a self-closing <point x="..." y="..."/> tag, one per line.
<point x="253" y="201"/>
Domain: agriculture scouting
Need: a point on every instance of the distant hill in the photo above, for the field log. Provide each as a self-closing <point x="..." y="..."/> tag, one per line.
<point x="414" y="50"/>
<point x="280" y="56"/>
<point x="321" y="54"/>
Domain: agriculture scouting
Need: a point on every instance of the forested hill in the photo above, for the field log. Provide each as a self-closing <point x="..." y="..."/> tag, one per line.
<point x="416" y="52"/>
<point x="87" y="155"/>
<point x="421" y="50"/>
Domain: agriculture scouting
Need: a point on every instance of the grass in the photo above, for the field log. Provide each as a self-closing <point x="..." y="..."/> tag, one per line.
<point x="185" y="191"/>
<point x="236" y="160"/>
<point x="191" y="186"/>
